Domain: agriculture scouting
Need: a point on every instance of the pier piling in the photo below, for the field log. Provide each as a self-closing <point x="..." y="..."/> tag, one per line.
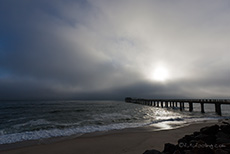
<point x="190" y="106"/>
<point x="166" y="104"/>
<point x="218" y="108"/>
<point x="162" y="105"/>
<point x="202" y="107"/>
<point x="181" y="108"/>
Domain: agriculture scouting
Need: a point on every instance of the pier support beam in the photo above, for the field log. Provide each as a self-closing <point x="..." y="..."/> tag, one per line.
<point x="162" y="105"/>
<point x="166" y="104"/>
<point x="202" y="107"/>
<point x="190" y="106"/>
<point x="181" y="107"/>
<point x="218" y="108"/>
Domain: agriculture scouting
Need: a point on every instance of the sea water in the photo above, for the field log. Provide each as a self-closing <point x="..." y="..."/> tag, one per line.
<point x="33" y="120"/>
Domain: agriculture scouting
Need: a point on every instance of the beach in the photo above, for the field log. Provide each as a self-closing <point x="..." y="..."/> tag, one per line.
<point x="127" y="141"/>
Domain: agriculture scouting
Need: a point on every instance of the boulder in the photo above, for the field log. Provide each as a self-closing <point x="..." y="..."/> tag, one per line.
<point x="196" y="133"/>
<point x="209" y="139"/>
<point x="186" y="139"/>
<point x="169" y="148"/>
<point x="202" y="151"/>
<point x="227" y="123"/>
<point x="177" y="152"/>
<point x="222" y="137"/>
<point x="211" y="130"/>
<point x="225" y="129"/>
<point x="220" y="151"/>
<point x="153" y="151"/>
<point x="222" y="140"/>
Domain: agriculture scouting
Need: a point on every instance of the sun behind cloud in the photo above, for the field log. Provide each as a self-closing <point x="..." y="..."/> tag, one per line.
<point x="160" y="74"/>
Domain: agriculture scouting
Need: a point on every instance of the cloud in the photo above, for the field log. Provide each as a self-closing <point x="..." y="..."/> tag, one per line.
<point x="107" y="49"/>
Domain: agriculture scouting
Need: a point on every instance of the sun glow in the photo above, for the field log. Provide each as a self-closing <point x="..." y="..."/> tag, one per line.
<point x="160" y="74"/>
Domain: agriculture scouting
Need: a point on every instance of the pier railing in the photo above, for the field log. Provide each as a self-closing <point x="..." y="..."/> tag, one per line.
<point x="180" y="103"/>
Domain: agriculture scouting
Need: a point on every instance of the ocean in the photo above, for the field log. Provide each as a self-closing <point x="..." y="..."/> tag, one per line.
<point x="34" y="120"/>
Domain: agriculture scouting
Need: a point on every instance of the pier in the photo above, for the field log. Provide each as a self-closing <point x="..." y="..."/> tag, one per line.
<point x="180" y="103"/>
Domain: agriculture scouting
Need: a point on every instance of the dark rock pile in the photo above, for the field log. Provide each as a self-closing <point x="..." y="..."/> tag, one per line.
<point x="209" y="140"/>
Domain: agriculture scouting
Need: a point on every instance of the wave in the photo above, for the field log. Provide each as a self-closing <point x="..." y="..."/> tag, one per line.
<point x="66" y="111"/>
<point x="42" y="134"/>
<point x="57" y="132"/>
<point x="33" y="123"/>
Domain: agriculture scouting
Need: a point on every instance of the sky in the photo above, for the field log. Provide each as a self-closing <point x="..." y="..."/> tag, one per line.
<point x="104" y="49"/>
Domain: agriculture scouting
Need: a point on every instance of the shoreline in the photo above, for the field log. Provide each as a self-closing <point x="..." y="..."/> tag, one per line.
<point x="167" y="125"/>
<point x="125" y="141"/>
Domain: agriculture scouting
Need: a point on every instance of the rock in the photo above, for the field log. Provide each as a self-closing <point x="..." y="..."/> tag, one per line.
<point x="221" y="134"/>
<point x="225" y="129"/>
<point x="188" y="152"/>
<point x="209" y="139"/>
<point x="222" y="140"/>
<point x="222" y="137"/>
<point x="193" y="143"/>
<point x="224" y="122"/>
<point x="201" y="136"/>
<point x="186" y="139"/>
<point x="196" y="133"/>
<point x="169" y="148"/>
<point x="177" y="152"/>
<point x="202" y="151"/>
<point x="153" y="151"/>
<point x="210" y="130"/>
<point x="227" y="147"/>
<point x="220" y="151"/>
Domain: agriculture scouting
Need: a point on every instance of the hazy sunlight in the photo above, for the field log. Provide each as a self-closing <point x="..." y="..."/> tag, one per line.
<point x="160" y="74"/>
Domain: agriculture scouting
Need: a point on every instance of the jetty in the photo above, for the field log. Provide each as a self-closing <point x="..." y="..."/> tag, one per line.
<point x="180" y="103"/>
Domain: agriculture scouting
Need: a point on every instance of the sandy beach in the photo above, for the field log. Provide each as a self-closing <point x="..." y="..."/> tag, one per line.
<point x="128" y="141"/>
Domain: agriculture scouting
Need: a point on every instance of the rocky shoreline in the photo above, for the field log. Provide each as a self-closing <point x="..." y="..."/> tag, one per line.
<point x="213" y="139"/>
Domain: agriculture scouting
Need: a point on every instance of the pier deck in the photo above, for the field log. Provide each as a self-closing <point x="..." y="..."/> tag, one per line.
<point x="180" y="103"/>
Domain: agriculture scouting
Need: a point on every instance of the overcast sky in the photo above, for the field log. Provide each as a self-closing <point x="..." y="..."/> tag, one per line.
<point x="104" y="49"/>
